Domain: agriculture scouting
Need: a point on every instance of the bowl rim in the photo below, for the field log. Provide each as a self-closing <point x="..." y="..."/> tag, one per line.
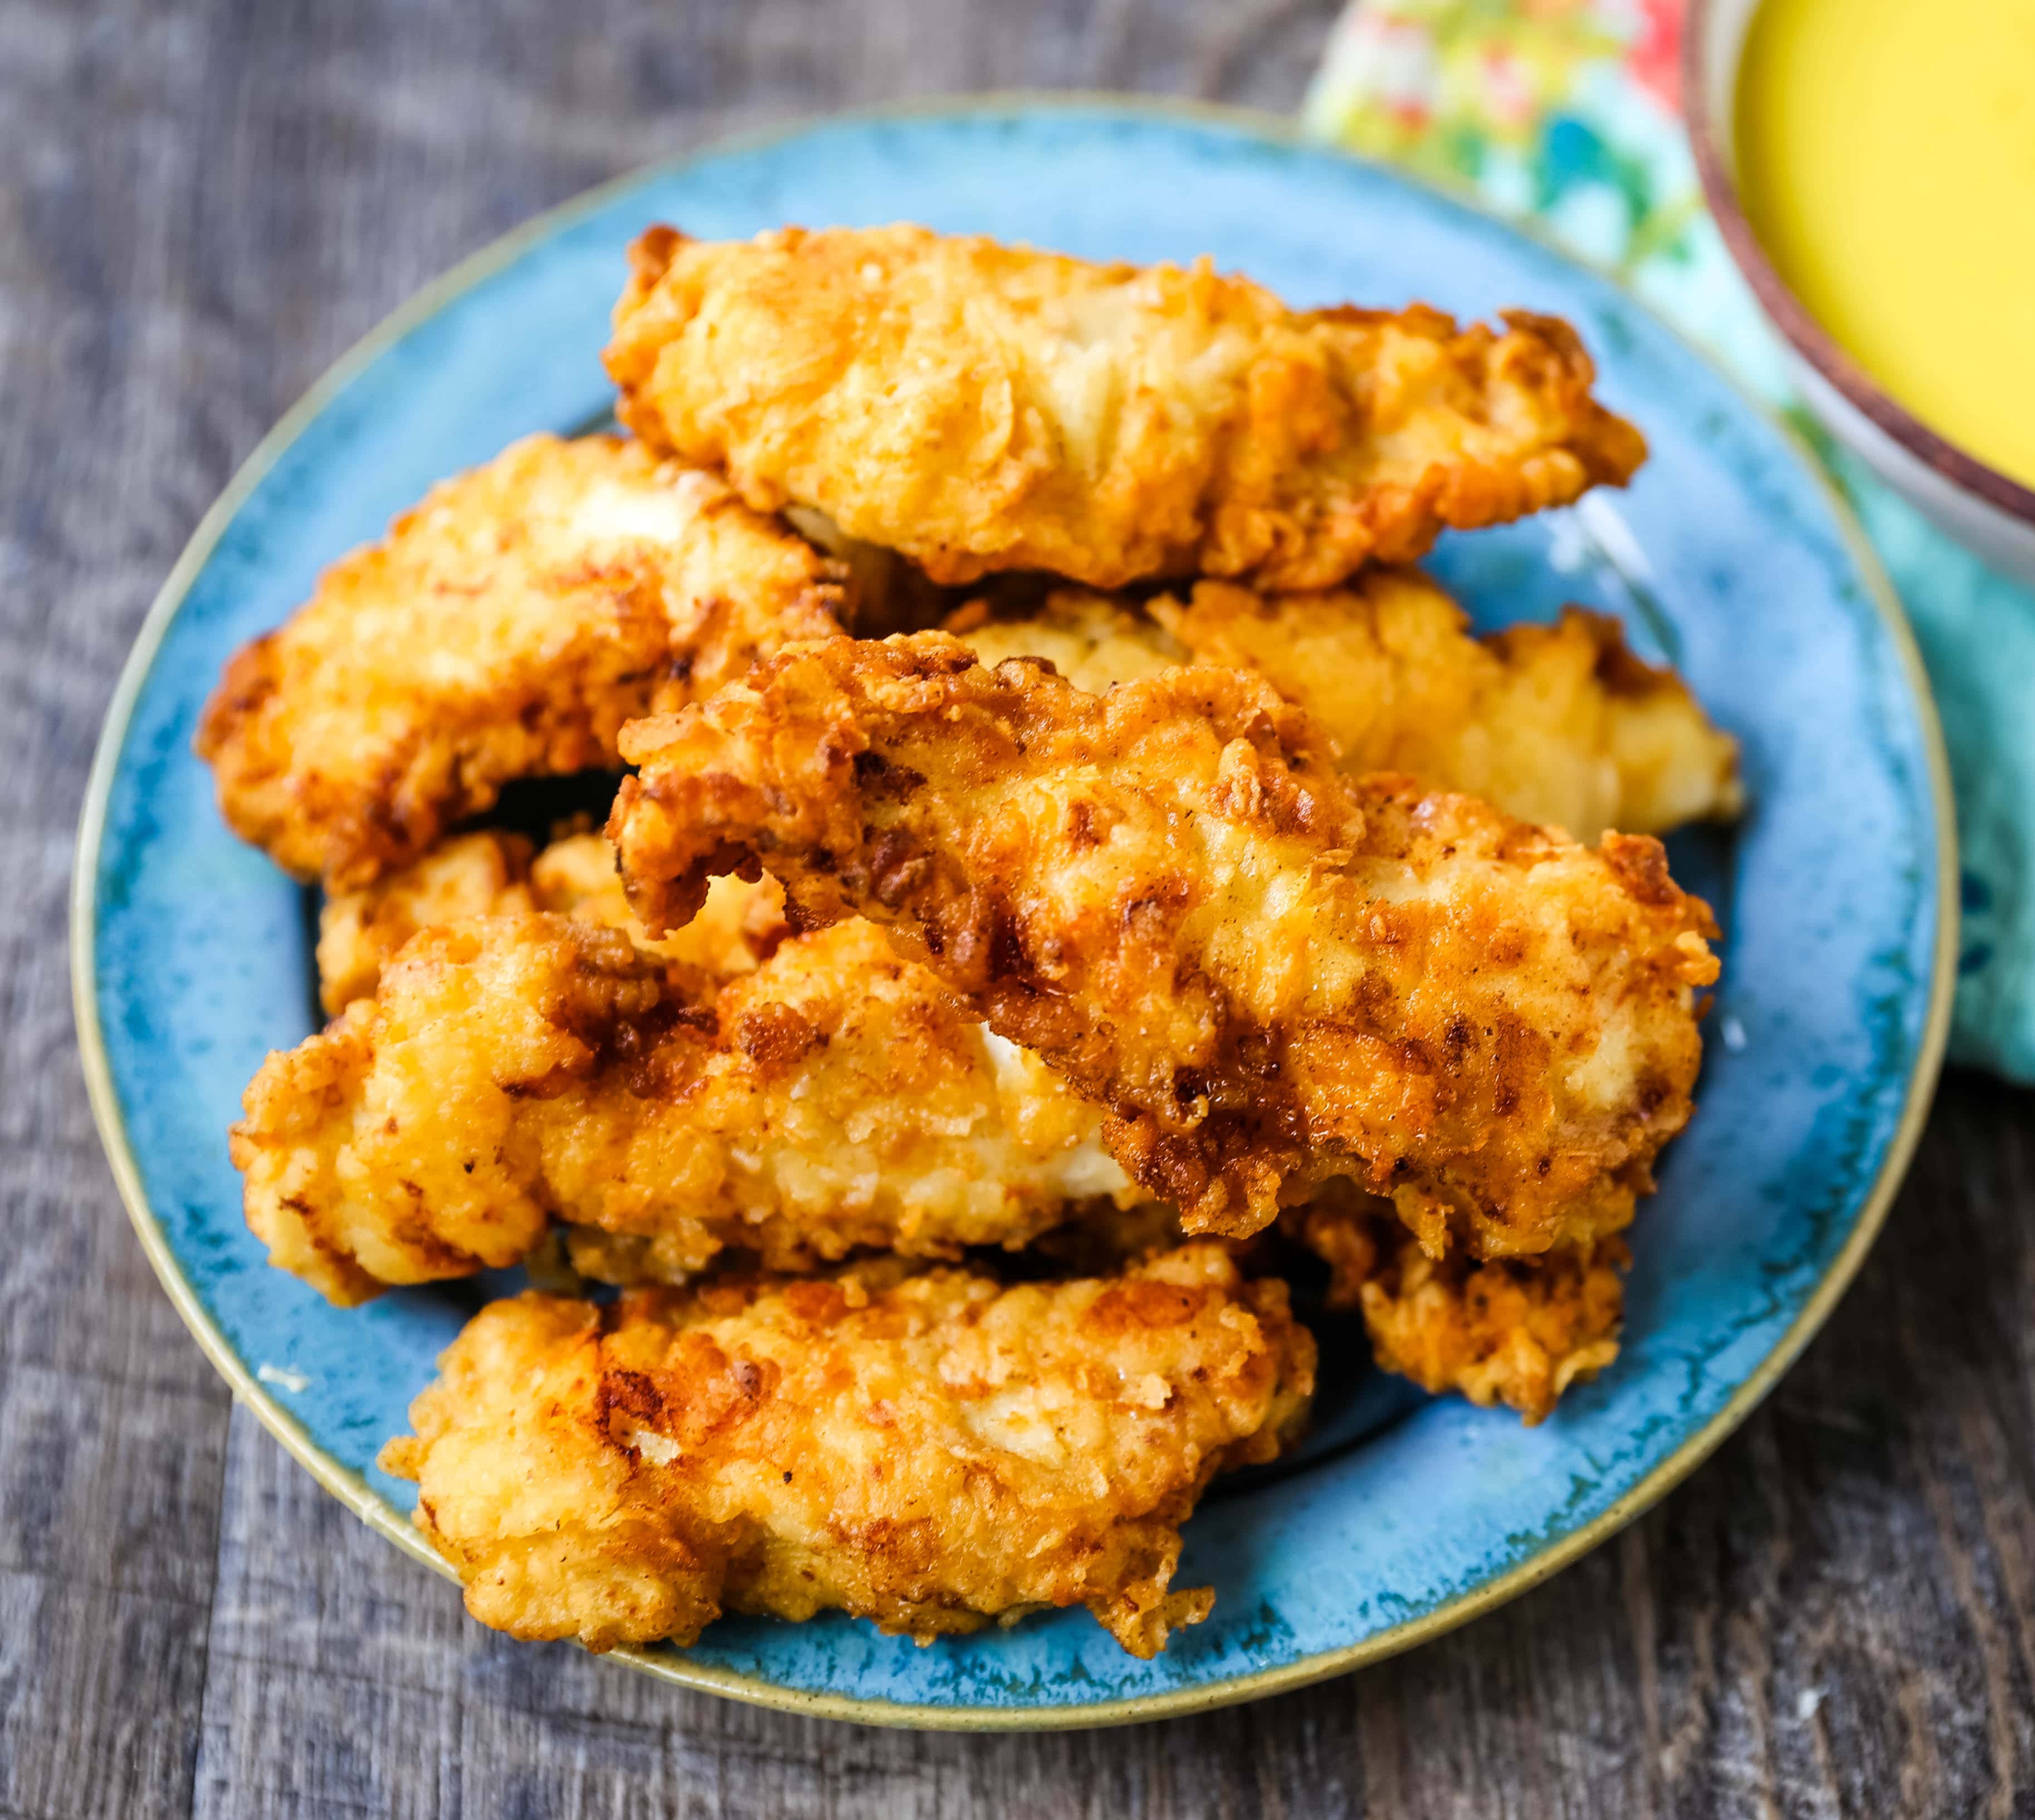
<point x="1807" y="337"/>
<point x="351" y="1488"/>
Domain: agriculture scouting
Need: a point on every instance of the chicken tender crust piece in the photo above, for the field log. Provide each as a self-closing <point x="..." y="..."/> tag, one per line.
<point x="511" y="1070"/>
<point x="359" y="932"/>
<point x="928" y="1451"/>
<point x="504" y="628"/>
<point x="492" y="873"/>
<point x="981" y="407"/>
<point x="1270" y="974"/>
<point x="737" y="930"/>
<point x="1558" y="724"/>
<point x="1517" y="1331"/>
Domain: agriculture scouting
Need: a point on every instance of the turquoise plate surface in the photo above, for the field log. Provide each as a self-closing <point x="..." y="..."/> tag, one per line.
<point x="1407" y="1515"/>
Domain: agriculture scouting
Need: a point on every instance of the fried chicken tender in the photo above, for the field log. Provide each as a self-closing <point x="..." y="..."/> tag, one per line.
<point x="981" y="407"/>
<point x="930" y="1451"/>
<point x="493" y="874"/>
<point x="359" y="932"/>
<point x="735" y="931"/>
<point x="506" y="628"/>
<point x="510" y="1070"/>
<point x="1270" y="974"/>
<point x="1559" y="724"/>
<point x="1518" y="1331"/>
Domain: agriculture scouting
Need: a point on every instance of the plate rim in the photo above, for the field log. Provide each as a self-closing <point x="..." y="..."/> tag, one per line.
<point x="352" y="1489"/>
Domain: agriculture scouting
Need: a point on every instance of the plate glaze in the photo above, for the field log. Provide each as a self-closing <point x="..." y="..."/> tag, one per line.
<point x="191" y="954"/>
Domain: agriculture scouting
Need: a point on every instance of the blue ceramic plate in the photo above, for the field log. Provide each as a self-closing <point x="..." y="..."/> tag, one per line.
<point x="1408" y="1516"/>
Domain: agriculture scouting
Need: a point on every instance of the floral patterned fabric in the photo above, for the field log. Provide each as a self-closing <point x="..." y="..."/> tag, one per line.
<point x="1568" y="111"/>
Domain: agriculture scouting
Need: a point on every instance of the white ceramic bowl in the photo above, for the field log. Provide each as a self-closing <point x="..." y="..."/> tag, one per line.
<point x="1982" y="508"/>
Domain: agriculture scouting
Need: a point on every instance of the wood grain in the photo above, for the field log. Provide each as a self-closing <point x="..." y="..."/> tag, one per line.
<point x="204" y="202"/>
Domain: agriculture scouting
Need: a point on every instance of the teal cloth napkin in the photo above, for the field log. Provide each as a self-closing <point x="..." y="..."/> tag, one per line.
<point x="1566" y="112"/>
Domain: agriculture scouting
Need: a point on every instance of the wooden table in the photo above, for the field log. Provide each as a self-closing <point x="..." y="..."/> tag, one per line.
<point x="204" y="203"/>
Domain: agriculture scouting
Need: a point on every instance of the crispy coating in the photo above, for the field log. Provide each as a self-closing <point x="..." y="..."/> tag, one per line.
<point x="1558" y="724"/>
<point x="1518" y="1331"/>
<point x="509" y="1071"/>
<point x="735" y="931"/>
<point x="359" y="932"/>
<point x="928" y="1451"/>
<point x="1269" y="973"/>
<point x="982" y="408"/>
<point x="493" y="874"/>
<point x="504" y="628"/>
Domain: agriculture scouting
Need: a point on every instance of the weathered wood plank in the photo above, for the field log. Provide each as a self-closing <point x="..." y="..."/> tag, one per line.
<point x="112" y="1428"/>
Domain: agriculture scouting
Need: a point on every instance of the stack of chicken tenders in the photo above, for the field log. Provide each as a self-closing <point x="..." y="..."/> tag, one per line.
<point x="1070" y="870"/>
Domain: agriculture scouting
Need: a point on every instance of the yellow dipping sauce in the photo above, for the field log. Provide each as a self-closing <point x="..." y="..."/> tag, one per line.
<point x="1887" y="159"/>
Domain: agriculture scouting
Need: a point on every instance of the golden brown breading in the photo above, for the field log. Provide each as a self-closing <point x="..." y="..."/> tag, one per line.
<point x="504" y="628"/>
<point x="735" y="931"/>
<point x="359" y="932"/>
<point x="1519" y="1331"/>
<point x="929" y="1451"/>
<point x="493" y="874"/>
<point x="1269" y="972"/>
<point x="1559" y="725"/>
<point x="511" y="1070"/>
<point x="983" y="407"/>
